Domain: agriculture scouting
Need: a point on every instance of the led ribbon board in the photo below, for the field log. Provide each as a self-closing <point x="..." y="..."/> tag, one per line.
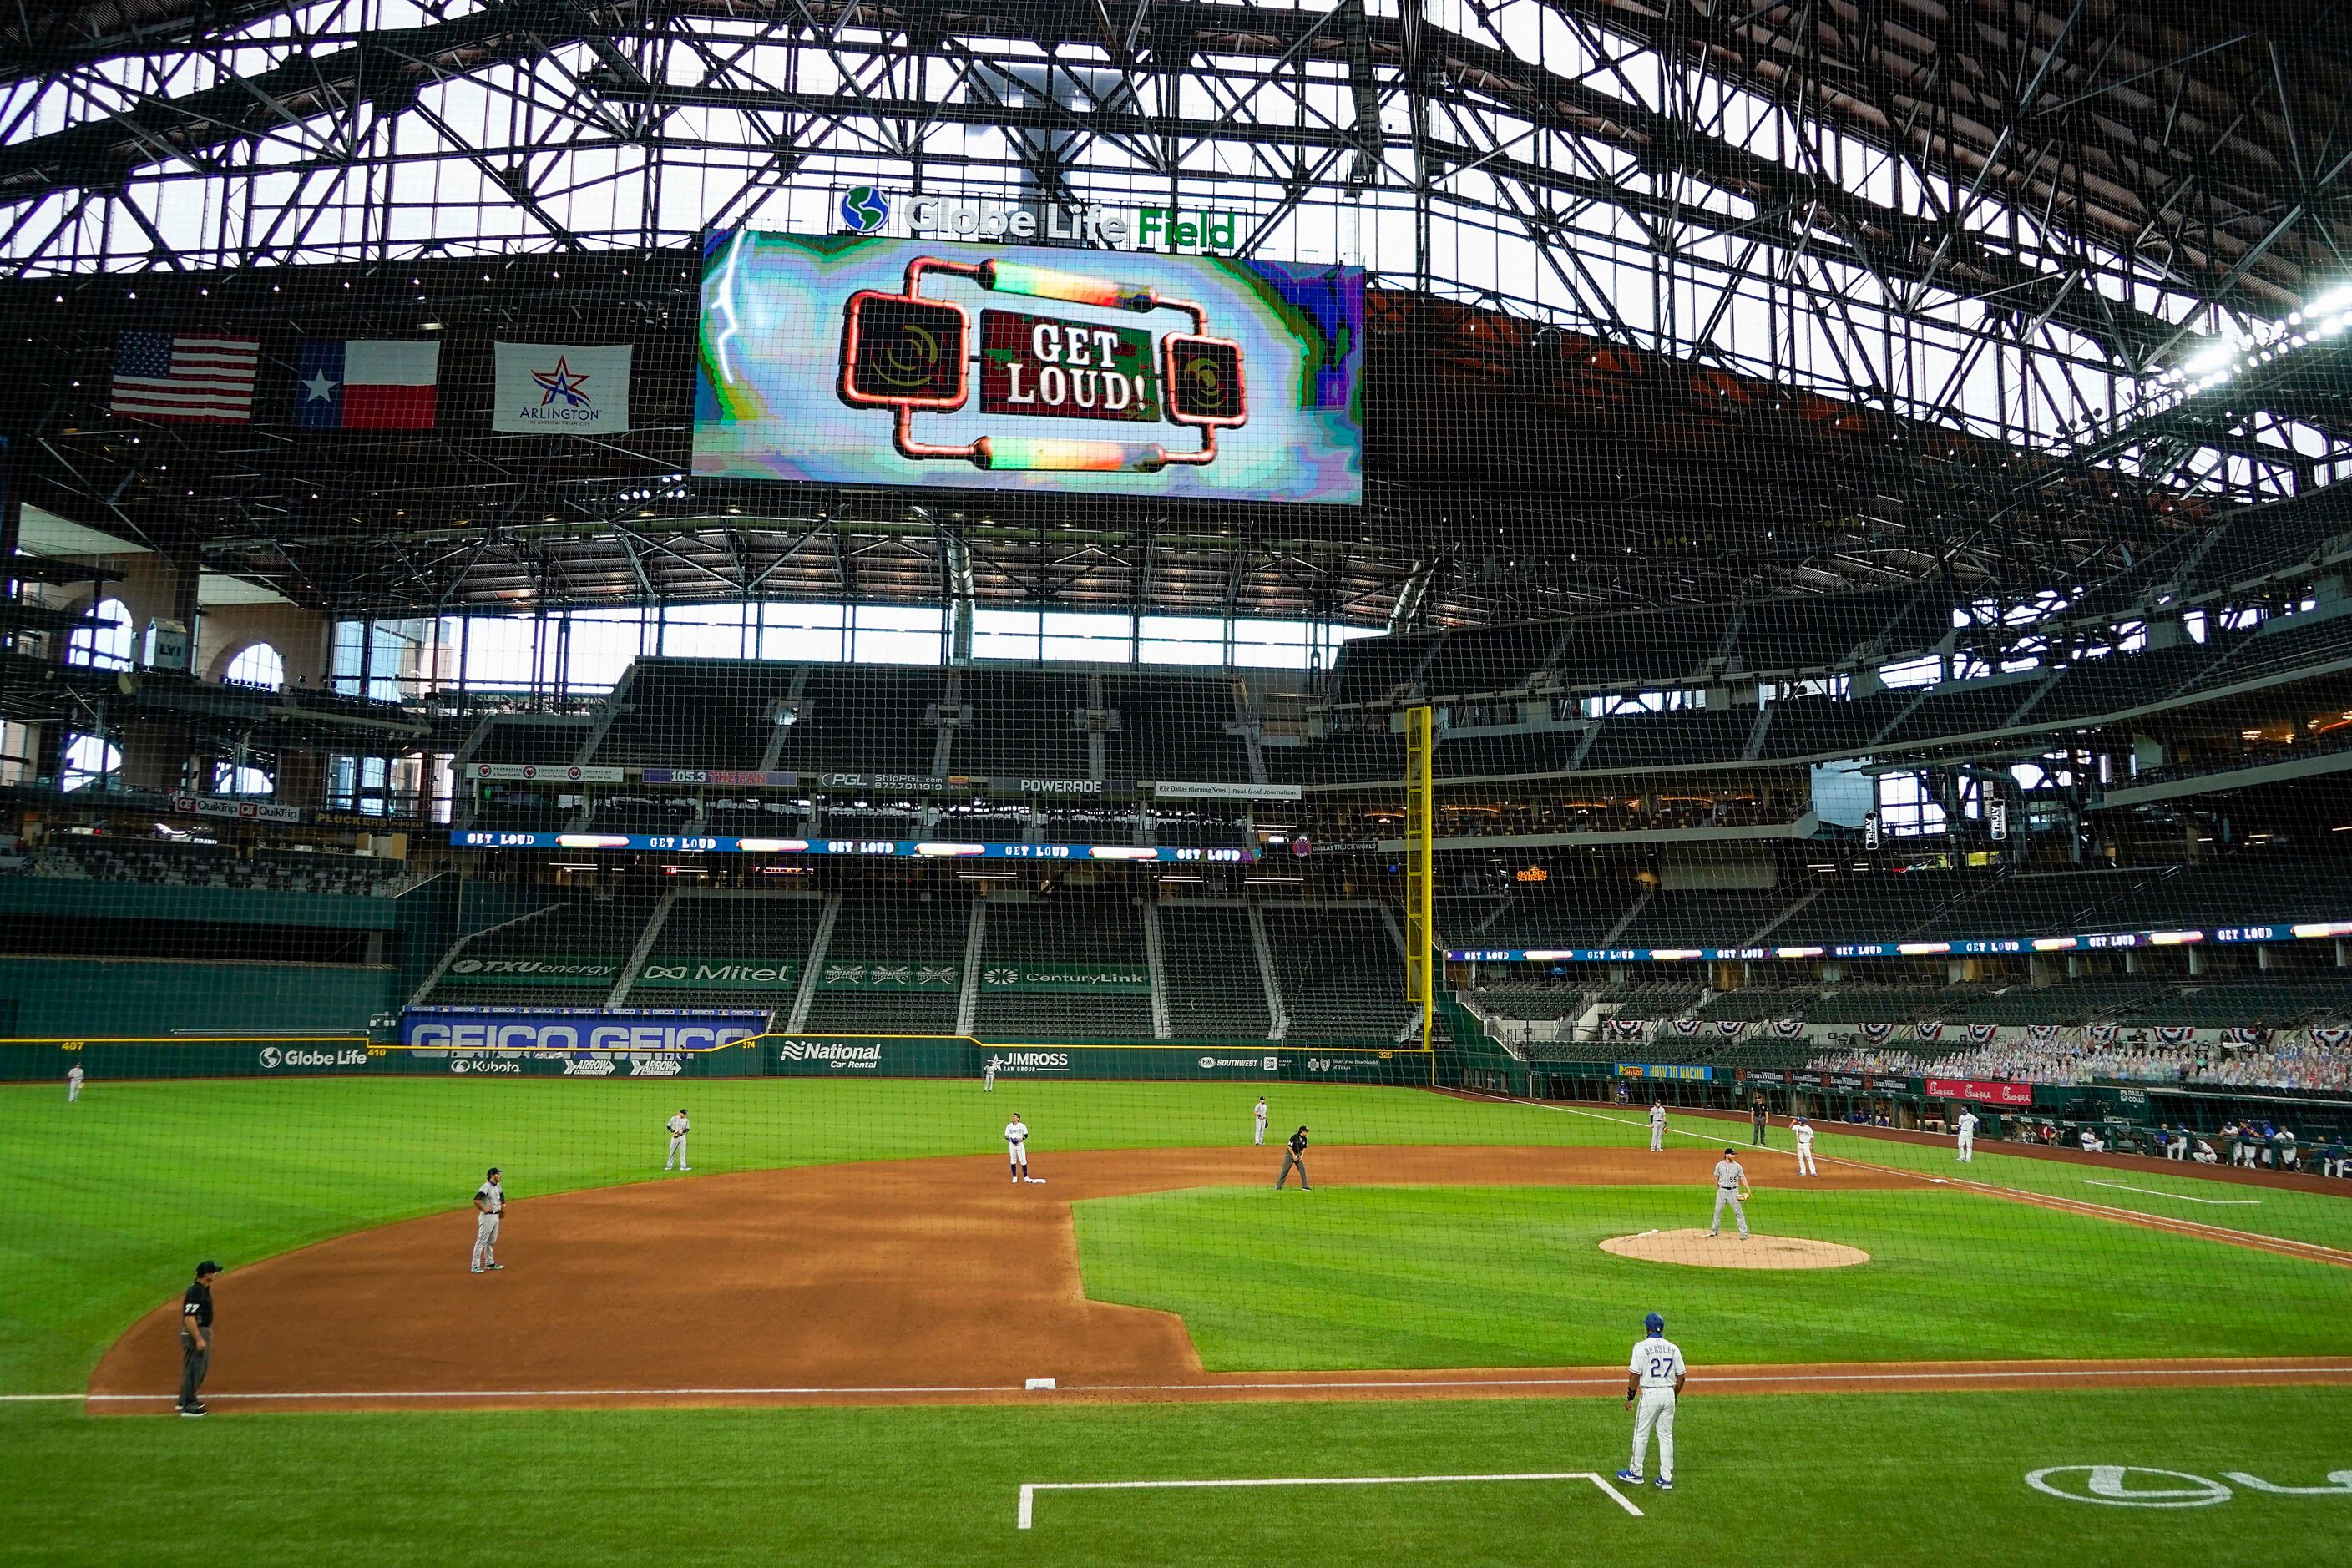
<point x="885" y="848"/>
<point x="1962" y="947"/>
<point x="847" y="360"/>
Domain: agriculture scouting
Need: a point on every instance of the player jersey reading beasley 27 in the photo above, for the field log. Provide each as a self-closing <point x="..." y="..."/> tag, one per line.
<point x="1657" y="1362"/>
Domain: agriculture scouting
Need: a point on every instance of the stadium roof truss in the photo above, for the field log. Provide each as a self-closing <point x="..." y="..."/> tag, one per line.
<point x="2000" y="220"/>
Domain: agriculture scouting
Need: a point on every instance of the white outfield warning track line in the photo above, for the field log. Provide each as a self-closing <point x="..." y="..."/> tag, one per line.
<point x="1030" y="1489"/>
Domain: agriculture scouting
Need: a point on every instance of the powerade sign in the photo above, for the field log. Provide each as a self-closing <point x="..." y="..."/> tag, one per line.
<point x="542" y="1032"/>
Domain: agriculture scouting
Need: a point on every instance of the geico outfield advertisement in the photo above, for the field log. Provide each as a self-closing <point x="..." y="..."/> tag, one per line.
<point x="459" y="1031"/>
<point x="848" y="359"/>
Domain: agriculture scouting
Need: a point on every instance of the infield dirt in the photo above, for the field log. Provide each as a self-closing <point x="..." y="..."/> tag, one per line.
<point x="873" y="1282"/>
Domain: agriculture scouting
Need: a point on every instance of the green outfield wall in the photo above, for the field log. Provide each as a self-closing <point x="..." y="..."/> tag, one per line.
<point x="106" y="1058"/>
<point x="85" y="996"/>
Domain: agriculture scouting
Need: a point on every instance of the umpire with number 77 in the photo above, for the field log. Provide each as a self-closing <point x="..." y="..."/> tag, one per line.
<point x="196" y="1337"/>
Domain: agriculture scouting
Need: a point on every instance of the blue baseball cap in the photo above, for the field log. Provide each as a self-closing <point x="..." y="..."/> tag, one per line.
<point x="1655" y="1323"/>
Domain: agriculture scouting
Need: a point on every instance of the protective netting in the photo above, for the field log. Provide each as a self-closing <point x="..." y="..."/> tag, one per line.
<point x="733" y="742"/>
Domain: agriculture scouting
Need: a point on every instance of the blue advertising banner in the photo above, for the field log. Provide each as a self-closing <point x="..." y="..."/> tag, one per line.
<point x="463" y="1029"/>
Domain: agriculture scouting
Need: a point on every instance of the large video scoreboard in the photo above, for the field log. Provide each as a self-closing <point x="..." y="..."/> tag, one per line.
<point x="851" y="360"/>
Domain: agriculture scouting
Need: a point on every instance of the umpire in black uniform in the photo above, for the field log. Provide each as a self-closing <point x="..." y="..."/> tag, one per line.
<point x="196" y="1337"/>
<point x="1294" y="1156"/>
<point x="1758" y="1117"/>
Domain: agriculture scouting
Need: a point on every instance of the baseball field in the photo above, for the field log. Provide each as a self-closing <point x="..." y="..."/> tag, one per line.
<point x="816" y="1347"/>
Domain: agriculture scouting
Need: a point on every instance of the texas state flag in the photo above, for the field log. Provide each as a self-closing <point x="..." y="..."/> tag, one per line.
<point x="365" y="384"/>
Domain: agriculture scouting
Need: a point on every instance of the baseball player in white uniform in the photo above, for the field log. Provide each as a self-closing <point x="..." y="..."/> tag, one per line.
<point x="489" y="1203"/>
<point x="1260" y="1138"/>
<point x="1652" y="1380"/>
<point x="988" y="1075"/>
<point x="1730" y="1187"/>
<point x="1657" y="1126"/>
<point x="1804" y="1131"/>
<point x="1966" y="1128"/>
<point x="1016" y="1149"/>
<point x="73" y="1083"/>
<point x="679" y="1127"/>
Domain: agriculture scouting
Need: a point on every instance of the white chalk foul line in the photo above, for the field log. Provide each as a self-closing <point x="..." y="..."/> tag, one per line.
<point x="2182" y="1197"/>
<point x="1930" y="1373"/>
<point x="1029" y="1490"/>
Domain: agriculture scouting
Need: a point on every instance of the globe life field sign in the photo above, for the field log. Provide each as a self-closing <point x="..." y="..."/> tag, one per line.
<point x="844" y="359"/>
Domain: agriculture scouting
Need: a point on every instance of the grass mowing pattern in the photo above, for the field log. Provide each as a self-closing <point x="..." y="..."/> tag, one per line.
<point x="2296" y="1216"/>
<point x="1462" y="1277"/>
<point x="1891" y="1479"/>
<point x="105" y="1206"/>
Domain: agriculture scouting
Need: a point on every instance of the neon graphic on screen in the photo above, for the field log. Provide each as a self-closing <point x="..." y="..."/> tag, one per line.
<point x="875" y="361"/>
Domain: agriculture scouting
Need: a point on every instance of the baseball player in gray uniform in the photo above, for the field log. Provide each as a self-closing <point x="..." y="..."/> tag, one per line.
<point x="1654" y="1380"/>
<point x="73" y="1083"/>
<point x="1260" y="1138"/>
<point x="1730" y="1187"/>
<point x="679" y="1127"/>
<point x="1016" y="1149"/>
<point x="489" y="1203"/>
<point x="1657" y="1126"/>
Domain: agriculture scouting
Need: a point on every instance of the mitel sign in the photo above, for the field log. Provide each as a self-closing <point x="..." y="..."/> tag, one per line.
<point x="871" y="210"/>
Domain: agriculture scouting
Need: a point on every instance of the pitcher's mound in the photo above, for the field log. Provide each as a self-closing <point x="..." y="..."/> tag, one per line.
<point x="1728" y="1251"/>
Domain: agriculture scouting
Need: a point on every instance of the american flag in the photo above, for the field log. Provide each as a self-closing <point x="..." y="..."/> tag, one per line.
<point x="170" y="376"/>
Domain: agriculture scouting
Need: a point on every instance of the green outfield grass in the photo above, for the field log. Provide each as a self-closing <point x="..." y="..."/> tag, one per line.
<point x="2319" y="1217"/>
<point x="105" y="1204"/>
<point x="1438" y="1276"/>
<point x="1878" y="1479"/>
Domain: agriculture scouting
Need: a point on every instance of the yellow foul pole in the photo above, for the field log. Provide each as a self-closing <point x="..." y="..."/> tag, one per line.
<point x="1421" y="867"/>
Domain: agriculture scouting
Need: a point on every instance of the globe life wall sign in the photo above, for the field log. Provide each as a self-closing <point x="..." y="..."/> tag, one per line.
<point x="871" y="210"/>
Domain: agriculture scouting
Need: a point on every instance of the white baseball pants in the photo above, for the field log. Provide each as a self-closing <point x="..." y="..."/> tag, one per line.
<point x="1725" y="1195"/>
<point x="1968" y="1146"/>
<point x="486" y="1240"/>
<point x="1657" y="1137"/>
<point x="1017" y="1156"/>
<point x="73" y="1089"/>
<point x="1260" y="1139"/>
<point x="1655" y="1411"/>
<point x="1805" y="1161"/>
<point x="676" y="1152"/>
